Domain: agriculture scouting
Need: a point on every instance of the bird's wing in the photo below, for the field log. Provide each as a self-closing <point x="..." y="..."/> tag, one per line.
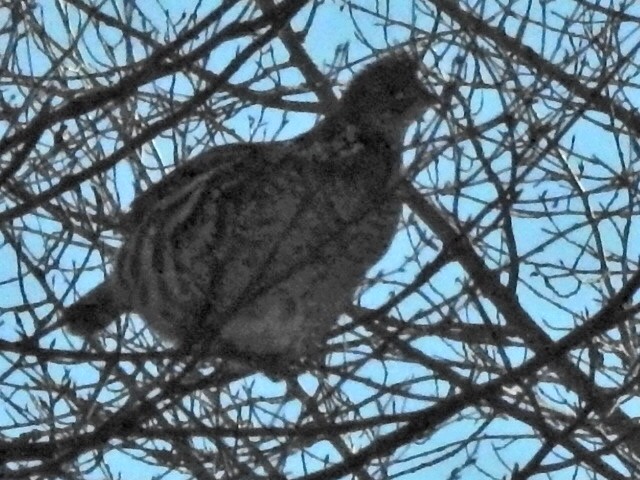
<point x="227" y="162"/>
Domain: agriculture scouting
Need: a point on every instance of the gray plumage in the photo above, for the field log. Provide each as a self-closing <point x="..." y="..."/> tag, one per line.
<point x="261" y="246"/>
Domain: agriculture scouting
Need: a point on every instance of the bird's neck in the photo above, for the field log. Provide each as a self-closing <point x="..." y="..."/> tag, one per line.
<point x="388" y="134"/>
<point x="355" y="151"/>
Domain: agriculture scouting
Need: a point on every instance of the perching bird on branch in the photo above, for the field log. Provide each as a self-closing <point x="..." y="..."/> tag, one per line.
<point x="259" y="247"/>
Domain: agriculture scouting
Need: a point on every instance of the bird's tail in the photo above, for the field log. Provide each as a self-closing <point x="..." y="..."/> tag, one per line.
<point x="93" y="312"/>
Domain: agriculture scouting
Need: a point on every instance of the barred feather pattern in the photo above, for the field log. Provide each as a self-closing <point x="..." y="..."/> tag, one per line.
<point x="243" y="253"/>
<point x="261" y="246"/>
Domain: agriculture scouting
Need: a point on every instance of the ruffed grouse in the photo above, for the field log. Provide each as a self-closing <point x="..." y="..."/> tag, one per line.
<point x="259" y="247"/>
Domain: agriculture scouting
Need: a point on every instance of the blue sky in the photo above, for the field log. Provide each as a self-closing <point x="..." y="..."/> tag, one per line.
<point x="332" y="28"/>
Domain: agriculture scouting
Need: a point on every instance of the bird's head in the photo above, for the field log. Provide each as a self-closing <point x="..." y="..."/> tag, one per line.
<point x="387" y="94"/>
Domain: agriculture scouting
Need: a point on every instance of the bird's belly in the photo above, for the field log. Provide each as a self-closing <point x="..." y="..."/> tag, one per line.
<point x="281" y="323"/>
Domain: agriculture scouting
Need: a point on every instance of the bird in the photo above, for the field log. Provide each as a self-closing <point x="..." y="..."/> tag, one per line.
<point x="259" y="247"/>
